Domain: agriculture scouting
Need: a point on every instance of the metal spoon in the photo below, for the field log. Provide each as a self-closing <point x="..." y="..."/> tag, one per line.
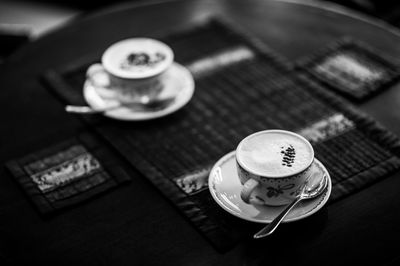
<point x="307" y="192"/>
<point x="142" y="104"/>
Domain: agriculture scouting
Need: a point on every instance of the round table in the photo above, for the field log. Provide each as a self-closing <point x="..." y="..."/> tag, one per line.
<point x="358" y="229"/>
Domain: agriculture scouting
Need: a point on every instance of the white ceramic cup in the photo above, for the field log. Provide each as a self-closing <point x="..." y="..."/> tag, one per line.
<point x="280" y="168"/>
<point x="132" y="70"/>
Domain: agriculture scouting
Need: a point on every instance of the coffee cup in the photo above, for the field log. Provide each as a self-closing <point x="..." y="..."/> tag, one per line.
<point x="132" y="70"/>
<point x="272" y="166"/>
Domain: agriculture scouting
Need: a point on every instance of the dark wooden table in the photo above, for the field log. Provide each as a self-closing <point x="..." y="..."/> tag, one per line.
<point x="135" y="225"/>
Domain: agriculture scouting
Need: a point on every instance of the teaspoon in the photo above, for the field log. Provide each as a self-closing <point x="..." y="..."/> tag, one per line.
<point x="143" y="104"/>
<point x="307" y="192"/>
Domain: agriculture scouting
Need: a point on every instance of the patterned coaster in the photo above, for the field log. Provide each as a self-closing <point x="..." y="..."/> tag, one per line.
<point x="67" y="173"/>
<point x="241" y="87"/>
<point x="352" y="69"/>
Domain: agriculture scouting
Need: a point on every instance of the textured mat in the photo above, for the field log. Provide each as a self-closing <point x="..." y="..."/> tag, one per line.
<point x="68" y="173"/>
<point x="241" y="87"/>
<point x="352" y="68"/>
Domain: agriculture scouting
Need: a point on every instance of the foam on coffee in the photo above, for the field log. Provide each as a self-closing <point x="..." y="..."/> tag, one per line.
<point x="275" y="153"/>
<point x="137" y="58"/>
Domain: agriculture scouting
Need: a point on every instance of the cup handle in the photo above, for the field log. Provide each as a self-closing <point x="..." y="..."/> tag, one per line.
<point x="99" y="78"/>
<point x="247" y="190"/>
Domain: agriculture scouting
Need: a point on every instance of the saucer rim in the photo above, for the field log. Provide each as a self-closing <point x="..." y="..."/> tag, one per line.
<point x="186" y="95"/>
<point x="318" y="205"/>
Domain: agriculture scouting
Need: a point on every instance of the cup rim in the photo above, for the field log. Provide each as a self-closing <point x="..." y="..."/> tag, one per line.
<point x="275" y="176"/>
<point x="123" y="74"/>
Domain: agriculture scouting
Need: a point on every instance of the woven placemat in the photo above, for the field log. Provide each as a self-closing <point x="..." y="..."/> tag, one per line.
<point x="352" y="68"/>
<point x="241" y="87"/>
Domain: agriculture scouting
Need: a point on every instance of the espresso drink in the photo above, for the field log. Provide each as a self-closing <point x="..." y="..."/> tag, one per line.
<point x="137" y="58"/>
<point x="275" y="153"/>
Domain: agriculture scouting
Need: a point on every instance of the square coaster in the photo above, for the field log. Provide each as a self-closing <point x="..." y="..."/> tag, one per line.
<point x="67" y="173"/>
<point x="352" y="69"/>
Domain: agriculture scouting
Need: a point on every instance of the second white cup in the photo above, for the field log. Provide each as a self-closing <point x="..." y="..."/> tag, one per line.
<point x="132" y="70"/>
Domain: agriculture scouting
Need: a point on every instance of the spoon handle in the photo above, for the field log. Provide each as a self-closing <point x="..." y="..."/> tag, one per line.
<point x="89" y="110"/>
<point x="153" y="105"/>
<point x="270" y="228"/>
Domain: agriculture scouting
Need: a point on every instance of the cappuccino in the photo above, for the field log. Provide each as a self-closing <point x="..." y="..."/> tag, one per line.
<point x="137" y="58"/>
<point x="275" y="153"/>
<point x="132" y="70"/>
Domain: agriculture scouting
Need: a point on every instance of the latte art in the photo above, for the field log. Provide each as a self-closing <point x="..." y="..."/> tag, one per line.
<point x="275" y="153"/>
<point x="141" y="61"/>
<point x="289" y="154"/>
<point x="137" y="58"/>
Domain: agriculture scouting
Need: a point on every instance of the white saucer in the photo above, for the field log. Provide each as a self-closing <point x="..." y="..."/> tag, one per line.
<point x="178" y="81"/>
<point x="225" y="188"/>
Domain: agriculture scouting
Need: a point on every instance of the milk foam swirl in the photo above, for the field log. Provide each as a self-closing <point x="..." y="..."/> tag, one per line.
<point x="275" y="153"/>
<point x="137" y="58"/>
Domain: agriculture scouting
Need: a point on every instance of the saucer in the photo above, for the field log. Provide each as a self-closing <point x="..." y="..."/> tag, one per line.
<point x="225" y="188"/>
<point x="178" y="83"/>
